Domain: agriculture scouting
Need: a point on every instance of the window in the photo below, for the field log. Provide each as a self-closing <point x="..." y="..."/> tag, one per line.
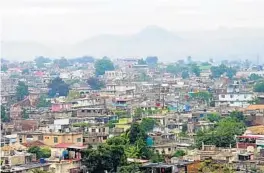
<point x="104" y="137"/>
<point x="79" y="139"/>
<point x="169" y="149"/>
<point x="103" y="129"/>
<point x="222" y="96"/>
<point x="55" y="139"/>
<point x="82" y="110"/>
<point x="40" y="137"/>
<point x="46" y="137"/>
<point x="245" y="96"/>
<point x="231" y="96"/>
<point x="93" y="130"/>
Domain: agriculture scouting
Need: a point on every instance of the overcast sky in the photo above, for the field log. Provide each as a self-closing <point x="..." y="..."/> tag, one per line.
<point x="68" y="21"/>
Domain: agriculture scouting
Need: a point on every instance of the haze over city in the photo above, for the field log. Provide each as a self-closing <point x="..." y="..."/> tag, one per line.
<point x="171" y="29"/>
<point x="132" y="86"/>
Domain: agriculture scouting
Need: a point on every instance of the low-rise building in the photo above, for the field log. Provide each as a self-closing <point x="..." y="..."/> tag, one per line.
<point x="51" y="138"/>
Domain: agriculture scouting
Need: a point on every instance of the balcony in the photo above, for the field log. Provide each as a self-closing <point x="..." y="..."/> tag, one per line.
<point x="95" y="134"/>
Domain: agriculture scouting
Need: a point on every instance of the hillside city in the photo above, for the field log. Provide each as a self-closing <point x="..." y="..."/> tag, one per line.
<point x="129" y="115"/>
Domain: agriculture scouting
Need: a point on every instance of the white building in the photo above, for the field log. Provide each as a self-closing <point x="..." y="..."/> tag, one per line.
<point x="119" y="88"/>
<point x="234" y="99"/>
<point x="248" y="73"/>
<point x="114" y="75"/>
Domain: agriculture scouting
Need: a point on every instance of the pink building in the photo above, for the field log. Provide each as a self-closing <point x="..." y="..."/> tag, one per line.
<point x="57" y="107"/>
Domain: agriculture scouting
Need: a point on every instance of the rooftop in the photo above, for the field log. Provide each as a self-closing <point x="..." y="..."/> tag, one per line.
<point x="255" y="107"/>
<point x="26" y="167"/>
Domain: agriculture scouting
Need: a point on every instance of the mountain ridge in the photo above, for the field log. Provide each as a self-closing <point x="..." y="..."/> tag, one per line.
<point x="167" y="45"/>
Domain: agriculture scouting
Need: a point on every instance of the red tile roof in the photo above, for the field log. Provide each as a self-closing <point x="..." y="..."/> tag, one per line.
<point x="33" y="144"/>
<point x="63" y="145"/>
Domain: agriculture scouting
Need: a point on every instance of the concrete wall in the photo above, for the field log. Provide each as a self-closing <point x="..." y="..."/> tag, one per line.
<point x="64" y="166"/>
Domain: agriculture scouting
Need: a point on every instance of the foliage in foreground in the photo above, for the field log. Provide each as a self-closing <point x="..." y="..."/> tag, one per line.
<point x="116" y="150"/>
<point x="41" y="152"/>
<point x="223" y="134"/>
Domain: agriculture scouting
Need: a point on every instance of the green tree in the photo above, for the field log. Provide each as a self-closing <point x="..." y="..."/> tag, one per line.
<point x="82" y="60"/>
<point x="58" y="86"/>
<point x="231" y="72"/>
<point x="213" y="117"/>
<point x="117" y="140"/>
<point x="111" y="123"/>
<point x="135" y="133"/>
<point x="43" y="102"/>
<point x="143" y="77"/>
<point x="185" y="74"/>
<point x="205" y="64"/>
<point x="129" y="168"/>
<point x="25" y="114"/>
<point x="138" y="113"/>
<point x="132" y="151"/>
<point x="184" y="128"/>
<point x="95" y="83"/>
<point x="102" y="65"/>
<point x="142" y="62"/>
<point x="217" y="71"/>
<point x="25" y="71"/>
<point x="223" y="135"/>
<point x="104" y="158"/>
<point x="147" y="124"/>
<point x="259" y="86"/>
<point x="152" y="60"/>
<point x="189" y="59"/>
<point x="4" y="117"/>
<point x="61" y="63"/>
<point x="211" y="166"/>
<point x="4" y="67"/>
<point x="204" y="96"/>
<point x="238" y="115"/>
<point x="254" y="101"/>
<point x="21" y="91"/>
<point x="157" y="158"/>
<point x="40" y="61"/>
<point x="174" y="69"/>
<point x="255" y="77"/>
<point x="179" y="153"/>
<point x="43" y="152"/>
<point x="195" y="69"/>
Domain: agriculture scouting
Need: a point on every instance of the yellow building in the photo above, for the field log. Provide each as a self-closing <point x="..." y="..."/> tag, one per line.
<point x="123" y="123"/>
<point x="65" y="166"/>
<point x="51" y="139"/>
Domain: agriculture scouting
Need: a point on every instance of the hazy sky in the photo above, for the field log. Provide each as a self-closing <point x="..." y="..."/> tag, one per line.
<point x="74" y="20"/>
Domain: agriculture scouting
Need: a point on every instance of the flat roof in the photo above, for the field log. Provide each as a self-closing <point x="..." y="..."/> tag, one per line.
<point x="251" y="136"/>
<point x="26" y="167"/>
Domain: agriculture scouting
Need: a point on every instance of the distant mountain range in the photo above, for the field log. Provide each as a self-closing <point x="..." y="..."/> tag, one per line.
<point x="237" y="43"/>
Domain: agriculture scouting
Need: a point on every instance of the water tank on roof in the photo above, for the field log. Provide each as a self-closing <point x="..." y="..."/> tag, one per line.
<point x="149" y="142"/>
<point x="42" y="160"/>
